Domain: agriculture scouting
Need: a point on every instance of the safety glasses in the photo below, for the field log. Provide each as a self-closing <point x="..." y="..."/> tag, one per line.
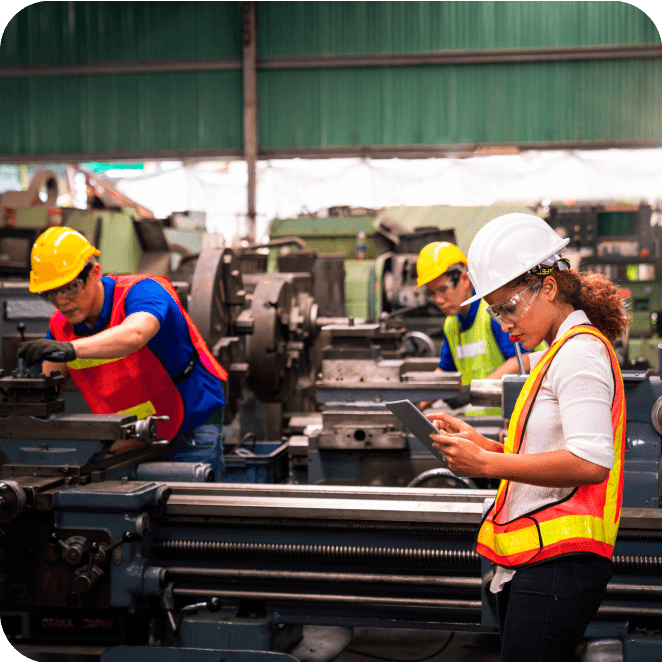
<point x="70" y="290"/>
<point x="442" y="290"/>
<point x="512" y="310"/>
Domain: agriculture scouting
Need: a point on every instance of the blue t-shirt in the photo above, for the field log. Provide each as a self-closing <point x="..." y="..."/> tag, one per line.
<point x="506" y="345"/>
<point x="201" y="392"/>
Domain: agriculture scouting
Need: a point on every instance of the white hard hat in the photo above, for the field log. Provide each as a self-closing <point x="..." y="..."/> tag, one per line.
<point x="507" y="247"/>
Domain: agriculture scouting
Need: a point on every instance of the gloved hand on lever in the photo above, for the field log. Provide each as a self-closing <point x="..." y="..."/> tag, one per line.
<point x="461" y="399"/>
<point x="46" y="349"/>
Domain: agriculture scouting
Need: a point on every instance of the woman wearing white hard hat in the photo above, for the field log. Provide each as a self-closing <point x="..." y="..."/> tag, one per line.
<point x="551" y="530"/>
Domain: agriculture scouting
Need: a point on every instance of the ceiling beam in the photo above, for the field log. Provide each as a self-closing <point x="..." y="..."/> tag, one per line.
<point x="336" y="61"/>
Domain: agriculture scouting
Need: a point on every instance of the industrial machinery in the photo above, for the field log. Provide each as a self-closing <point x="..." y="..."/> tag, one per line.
<point x="623" y="242"/>
<point x="380" y="253"/>
<point x="354" y="440"/>
<point x="104" y="553"/>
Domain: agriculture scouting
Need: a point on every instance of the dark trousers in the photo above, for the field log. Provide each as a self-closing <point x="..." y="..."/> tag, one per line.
<point x="545" y="609"/>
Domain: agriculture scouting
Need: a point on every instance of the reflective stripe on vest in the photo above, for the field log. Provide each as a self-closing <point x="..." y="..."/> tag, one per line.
<point x="475" y="351"/>
<point x="585" y="521"/>
<point x="81" y="364"/>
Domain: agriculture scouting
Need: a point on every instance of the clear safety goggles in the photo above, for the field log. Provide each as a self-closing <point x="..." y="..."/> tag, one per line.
<point x="512" y="310"/>
<point x="442" y="290"/>
<point x="70" y="290"/>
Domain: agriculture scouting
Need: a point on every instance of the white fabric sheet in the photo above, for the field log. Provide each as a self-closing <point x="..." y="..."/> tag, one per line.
<point x="287" y="188"/>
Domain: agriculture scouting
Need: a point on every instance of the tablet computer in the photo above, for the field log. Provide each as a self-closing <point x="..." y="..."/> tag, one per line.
<point x="417" y="423"/>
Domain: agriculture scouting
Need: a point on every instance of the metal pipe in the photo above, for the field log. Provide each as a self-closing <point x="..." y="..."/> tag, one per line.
<point x="626" y="611"/>
<point x="460" y="57"/>
<point x="361" y="151"/>
<point x="428" y="151"/>
<point x="331" y="577"/>
<point x="315" y="597"/>
<point x="486" y="392"/>
<point x="250" y="95"/>
<point x="333" y="61"/>
<point x="605" y="610"/>
<point x="179" y="572"/>
<point x="520" y="360"/>
<point x="634" y="589"/>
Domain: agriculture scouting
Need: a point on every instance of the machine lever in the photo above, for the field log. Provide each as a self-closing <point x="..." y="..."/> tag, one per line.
<point x="87" y="579"/>
<point x="73" y="548"/>
<point x="129" y="536"/>
<point x="213" y="605"/>
<point x="168" y="605"/>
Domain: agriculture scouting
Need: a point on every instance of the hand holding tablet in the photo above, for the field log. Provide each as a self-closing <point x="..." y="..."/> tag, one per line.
<point x="418" y="424"/>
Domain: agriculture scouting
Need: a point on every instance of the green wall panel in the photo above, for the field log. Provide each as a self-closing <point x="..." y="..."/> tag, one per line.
<point x="438" y="105"/>
<point x="314" y="28"/>
<point x="381" y="106"/>
<point x="56" y="32"/>
<point x="196" y="110"/>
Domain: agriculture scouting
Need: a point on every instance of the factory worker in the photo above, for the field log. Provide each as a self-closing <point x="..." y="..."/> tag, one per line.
<point x="129" y="346"/>
<point x="551" y="531"/>
<point x="474" y="343"/>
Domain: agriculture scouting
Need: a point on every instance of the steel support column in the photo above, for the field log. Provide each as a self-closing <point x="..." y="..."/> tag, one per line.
<point x="249" y="64"/>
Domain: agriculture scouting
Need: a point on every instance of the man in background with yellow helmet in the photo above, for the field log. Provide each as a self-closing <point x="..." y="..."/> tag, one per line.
<point x="474" y="344"/>
<point x="128" y="344"/>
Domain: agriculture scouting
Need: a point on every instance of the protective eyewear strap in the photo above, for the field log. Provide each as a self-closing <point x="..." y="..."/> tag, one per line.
<point x="545" y="269"/>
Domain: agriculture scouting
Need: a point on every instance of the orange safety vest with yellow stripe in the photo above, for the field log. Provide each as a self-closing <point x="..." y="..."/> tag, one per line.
<point x="586" y="520"/>
<point x="139" y="383"/>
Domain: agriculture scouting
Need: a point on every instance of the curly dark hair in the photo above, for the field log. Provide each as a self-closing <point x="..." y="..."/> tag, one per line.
<point x="592" y="293"/>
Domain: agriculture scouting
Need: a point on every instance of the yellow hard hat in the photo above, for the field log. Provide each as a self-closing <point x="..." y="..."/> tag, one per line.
<point x="58" y="256"/>
<point x="435" y="259"/>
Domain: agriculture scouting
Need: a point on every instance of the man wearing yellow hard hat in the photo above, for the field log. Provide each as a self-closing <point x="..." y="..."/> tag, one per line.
<point x="474" y="343"/>
<point x="128" y="344"/>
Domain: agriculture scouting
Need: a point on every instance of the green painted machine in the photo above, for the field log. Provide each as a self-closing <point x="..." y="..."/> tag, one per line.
<point x="339" y="235"/>
<point x="380" y="254"/>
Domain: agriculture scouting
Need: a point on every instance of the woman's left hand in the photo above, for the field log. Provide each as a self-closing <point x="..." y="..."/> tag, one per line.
<point x="463" y="453"/>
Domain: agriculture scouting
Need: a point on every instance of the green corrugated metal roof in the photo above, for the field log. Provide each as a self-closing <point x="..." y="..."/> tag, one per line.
<point x="196" y="110"/>
<point x="56" y="32"/>
<point x="466" y="221"/>
<point x="50" y="32"/>
<point x="617" y="100"/>
<point x="417" y="27"/>
<point x="460" y="104"/>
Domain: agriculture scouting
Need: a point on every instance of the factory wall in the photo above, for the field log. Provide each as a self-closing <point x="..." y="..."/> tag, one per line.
<point x="151" y="79"/>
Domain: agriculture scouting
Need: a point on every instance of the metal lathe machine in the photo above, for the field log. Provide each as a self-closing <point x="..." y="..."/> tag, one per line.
<point x="123" y="557"/>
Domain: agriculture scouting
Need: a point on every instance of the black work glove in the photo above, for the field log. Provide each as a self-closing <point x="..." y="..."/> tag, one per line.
<point x="36" y="351"/>
<point x="461" y="399"/>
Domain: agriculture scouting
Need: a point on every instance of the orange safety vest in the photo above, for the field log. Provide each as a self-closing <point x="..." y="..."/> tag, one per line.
<point x="584" y="521"/>
<point x="139" y="383"/>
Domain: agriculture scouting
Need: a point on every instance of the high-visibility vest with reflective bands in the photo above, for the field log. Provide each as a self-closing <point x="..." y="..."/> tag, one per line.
<point x="138" y="383"/>
<point x="475" y="351"/>
<point x="584" y="521"/>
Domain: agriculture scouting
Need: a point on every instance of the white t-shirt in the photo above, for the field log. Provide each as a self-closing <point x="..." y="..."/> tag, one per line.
<point x="572" y="412"/>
